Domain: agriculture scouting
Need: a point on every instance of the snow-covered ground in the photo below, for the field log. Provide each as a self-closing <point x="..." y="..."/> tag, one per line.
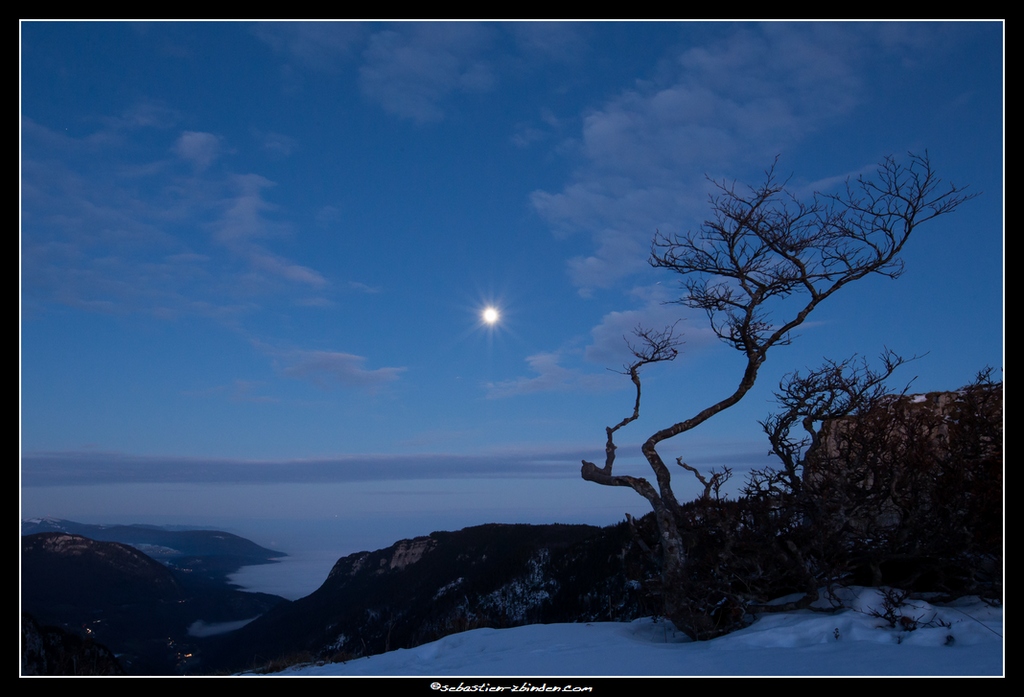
<point x="964" y="638"/>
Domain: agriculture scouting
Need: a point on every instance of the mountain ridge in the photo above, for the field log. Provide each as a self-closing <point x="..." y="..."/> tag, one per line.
<point x="420" y="589"/>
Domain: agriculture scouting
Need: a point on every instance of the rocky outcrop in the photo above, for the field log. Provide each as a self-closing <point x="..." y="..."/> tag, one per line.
<point x="920" y="419"/>
<point x="421" y="589"/>
<point x="910" y="491"/>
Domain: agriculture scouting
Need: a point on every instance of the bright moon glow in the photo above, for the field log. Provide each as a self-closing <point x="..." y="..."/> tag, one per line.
<point x="490" y="315"/>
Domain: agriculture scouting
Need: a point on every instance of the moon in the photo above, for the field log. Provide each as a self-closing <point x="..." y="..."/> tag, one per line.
<point x="490" y="315"/>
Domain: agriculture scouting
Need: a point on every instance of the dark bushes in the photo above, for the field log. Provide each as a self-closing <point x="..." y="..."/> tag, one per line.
<point x="878" y="488"/>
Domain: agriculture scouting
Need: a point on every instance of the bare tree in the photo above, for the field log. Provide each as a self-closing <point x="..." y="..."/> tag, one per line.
<point x="883" y="488"/>
<point x="765" y="251"/>
<point x="834" y="391"/>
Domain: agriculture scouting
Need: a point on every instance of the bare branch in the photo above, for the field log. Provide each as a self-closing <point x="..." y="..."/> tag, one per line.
<point x="655" y="346"/>
<point x="764" y="245"/>
<point x="762" y="252"/>
<point x="718" y="479"/>
<point x="835" y="390"/>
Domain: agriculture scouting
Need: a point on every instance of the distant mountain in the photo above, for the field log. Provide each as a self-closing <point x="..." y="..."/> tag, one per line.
<point x="75" y="571"/>
<point x="114" y="594"/>
<point x="421" y="589"/>
<point x="410" y="593"/>
<point x="212" y="554"/>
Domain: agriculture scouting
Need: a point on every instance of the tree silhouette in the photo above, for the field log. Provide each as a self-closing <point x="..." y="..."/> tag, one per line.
<point x="758" y="267"/>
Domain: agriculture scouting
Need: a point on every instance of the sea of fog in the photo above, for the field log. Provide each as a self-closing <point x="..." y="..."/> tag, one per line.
<point x="293" y="577"/>
<point x="314" y="525"/>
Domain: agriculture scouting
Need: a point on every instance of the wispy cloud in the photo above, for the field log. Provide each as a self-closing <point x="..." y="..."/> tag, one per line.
<point x="730" y="104"/>
<point x="317" y="45"/>
<point x="414" y="70"/>
<point x="363" y="288"/>
<point x="92" y="468"/>
<point x="246" y="219"/>
<point x="610" y="339"/>
<point x="608" y="347"/>
<point x="103" y="232"/>
<point x="409" y="71"/>
<point x="277" y="144"/>
<point x="561" y="42"/>
<point x="143" y="114"/>
<point x="201" y="149"/>
<point x="550" y="376"/>
<point x="332" y="368"/>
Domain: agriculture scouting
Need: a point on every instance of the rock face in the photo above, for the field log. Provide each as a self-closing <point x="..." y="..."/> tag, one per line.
<point x="405" y="553"/>
<point x="421" y="589"/>
<point x="965" y="425"/>
<point x="928" y="420"/>
<point x="913" y="488"/>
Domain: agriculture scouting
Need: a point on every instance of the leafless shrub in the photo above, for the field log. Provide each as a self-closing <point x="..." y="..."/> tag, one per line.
<point x="758" y="267"/>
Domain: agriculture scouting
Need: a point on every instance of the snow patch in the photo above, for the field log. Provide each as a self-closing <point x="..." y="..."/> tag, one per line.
<point x="846" y="642"/>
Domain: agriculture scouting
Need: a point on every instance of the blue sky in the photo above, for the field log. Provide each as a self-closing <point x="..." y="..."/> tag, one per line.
<point x="254" y="256"/>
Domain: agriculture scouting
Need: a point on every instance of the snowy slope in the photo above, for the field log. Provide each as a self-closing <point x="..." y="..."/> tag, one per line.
<point x="849" y="642"/>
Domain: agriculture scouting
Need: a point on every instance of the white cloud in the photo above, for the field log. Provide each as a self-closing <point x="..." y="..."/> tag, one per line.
<point x="283" y="268"/>
<point x="245" y="220"/>
<point x="92" y="467"/>
<point x="563" y="42"/>
<point x="143" y="115"/>
<point x="657" y="311"/>
<point x="363" y="288"/>
<point x="730" y="105"/>
<point x="616" y="254"/>
<point x="276" y="144"/>
<point x="551" y="377"/>
<point x="525" y="135"/>
<point x="327" y="368"/>
<point x="201" y="149"/>
<point x="609" y="346"/>
<point x="94" y="238"/>
<point x="318" y="45"/>
<point x="411" y="70"/>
